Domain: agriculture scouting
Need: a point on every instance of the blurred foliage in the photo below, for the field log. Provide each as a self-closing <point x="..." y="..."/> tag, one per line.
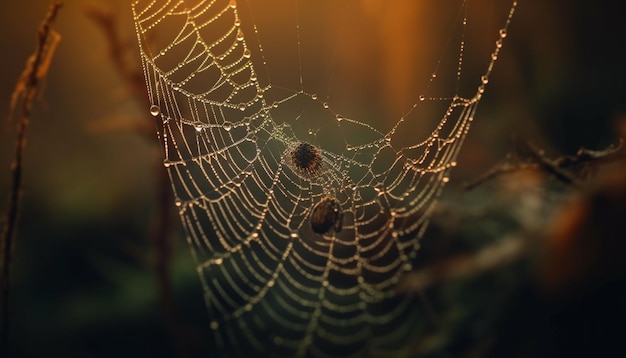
<point x="84" y="280"/>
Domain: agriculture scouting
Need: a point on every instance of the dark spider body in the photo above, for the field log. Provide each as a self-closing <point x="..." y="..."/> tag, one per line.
<point x="326" y="214"/>
<point x="306" y="159"/>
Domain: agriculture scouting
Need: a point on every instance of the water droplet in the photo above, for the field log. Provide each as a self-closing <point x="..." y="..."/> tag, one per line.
<point x="270" y="283"/>
<point x="233" y="4"/>
<point x="339" y="117"/>
<point x="388" y="137"/>
<point x="445" y="179"/>
<point x="242" y="107"/>
<point x="314" y="96"/>
<point x="218" y="261"/>
<point x="494" y="56"/>
<point x="198" y="127"/>
<point x="275" y="104"/>
<point x="499" y="43"/>
<point x="237" y="22"/>
<point x="175" y="86"/>
<point x="407" y="267"/>
<point x="178" y="202"/>
<point x="394" y="234"/>
<point x="166" y="163"/>
<point x="247" y="53"/>
<point x="310" y="131"/>
<point x="248" y="307"/>
<point x="155" y="110"/>
<point x="422" y="97"/>
<point x="484" y="80"/>
<point x="502" y="33"/>
<point x="360" y="279"/>
<point x="228" y="126"/>
<point x="325" y="283"/>
<point x="325" y="105"/>
<point x="434" y="75"/>
<point x="294" y="235"/>
<point x="481" y="89"/>
<point x="214" y="325"/>
<point x="239" y="35"/>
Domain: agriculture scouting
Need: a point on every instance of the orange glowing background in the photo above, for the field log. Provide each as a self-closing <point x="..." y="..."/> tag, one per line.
<point x="82" y="265"/>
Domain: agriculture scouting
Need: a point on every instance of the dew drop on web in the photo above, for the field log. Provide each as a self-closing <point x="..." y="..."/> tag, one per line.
<point x="155" y="110"/>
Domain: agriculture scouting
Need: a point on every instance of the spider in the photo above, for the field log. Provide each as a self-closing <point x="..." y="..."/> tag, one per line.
<point x="306" y="159"/>
<point x="326" y="214"/>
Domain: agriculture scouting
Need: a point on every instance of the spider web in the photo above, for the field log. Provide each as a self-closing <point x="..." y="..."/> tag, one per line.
<point x="272" y="285"/>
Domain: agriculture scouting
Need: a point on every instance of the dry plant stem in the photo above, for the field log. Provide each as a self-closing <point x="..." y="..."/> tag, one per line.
<point x="584" y="156"/>
<point x="162" y="241"/>
<point x="499" y="170"/>
<point x="161" y="237"/>
<point x="557" y="168"/>
<point x="26" y="89"/>
<point x="550" y="167"/>
<point x="118" y="50"/>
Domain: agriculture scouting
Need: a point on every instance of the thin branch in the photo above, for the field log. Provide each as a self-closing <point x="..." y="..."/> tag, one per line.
<point x="500" y="170"/>
<point x="161" y="238"/>
<point x="549" y="166"/>
<point x="25" y="90"/>
<point x="560" y="168"/>
<point x="584" y="156"/>
<point x="119" y="51"/>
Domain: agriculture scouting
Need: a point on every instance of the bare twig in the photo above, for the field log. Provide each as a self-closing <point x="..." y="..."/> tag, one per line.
<point x="499" y="170"/>
<point x="549" y="166"/>
<point x="161" y="237"/>
<point x="584" y="156"/>
<point x="25" y="90"/>
<point x="119" y="51"/>
<point x="560" y="168"/>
